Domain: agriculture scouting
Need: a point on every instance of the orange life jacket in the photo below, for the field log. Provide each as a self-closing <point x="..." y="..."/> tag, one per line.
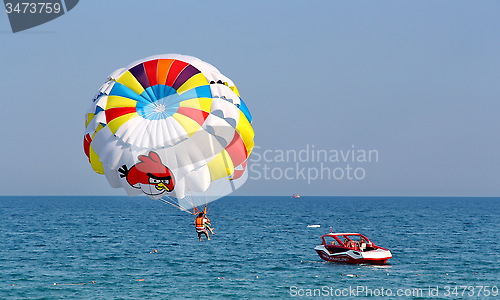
<point x="200" y="223"/>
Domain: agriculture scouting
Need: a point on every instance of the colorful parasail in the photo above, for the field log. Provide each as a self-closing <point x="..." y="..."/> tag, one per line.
<point x="171" y="127"/>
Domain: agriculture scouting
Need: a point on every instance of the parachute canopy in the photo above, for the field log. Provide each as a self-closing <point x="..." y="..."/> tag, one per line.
<point x="170" y="126"/>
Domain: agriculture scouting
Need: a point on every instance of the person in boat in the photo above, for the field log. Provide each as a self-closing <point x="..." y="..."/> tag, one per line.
<point x="201" y="227"/>
<point x="362" y="244"/>
<point x="351" y="244"/>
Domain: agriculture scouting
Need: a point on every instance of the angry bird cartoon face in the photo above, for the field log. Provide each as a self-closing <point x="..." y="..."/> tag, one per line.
<point x="149" y="175"/>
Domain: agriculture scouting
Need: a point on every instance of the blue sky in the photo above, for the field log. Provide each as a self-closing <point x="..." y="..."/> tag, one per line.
<point x="417" y="82"/>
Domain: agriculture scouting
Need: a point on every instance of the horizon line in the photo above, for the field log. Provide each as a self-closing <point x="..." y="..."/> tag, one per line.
<point x="301" y="196"/>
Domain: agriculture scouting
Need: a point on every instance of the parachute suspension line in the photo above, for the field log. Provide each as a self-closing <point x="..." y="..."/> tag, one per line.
<point x="191" y="199"/>
<point x="205" y="207"/>
<point x="197" y="211"/>
<point x="174" y="205"/>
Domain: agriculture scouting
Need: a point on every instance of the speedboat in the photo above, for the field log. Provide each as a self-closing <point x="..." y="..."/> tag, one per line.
<point x="295" y="196"/>
<point x="351" y="248"/>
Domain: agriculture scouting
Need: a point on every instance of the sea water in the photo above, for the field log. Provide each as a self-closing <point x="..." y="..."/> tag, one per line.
<point x="103" y="248"/>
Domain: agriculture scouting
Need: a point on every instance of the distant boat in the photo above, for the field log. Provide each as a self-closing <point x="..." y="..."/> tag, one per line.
<point x="314" y="226"/>
<point x="295" y="196"/>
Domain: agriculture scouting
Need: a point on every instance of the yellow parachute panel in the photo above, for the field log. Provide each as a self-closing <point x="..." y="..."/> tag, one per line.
<point x="246" y="132"/>
<point x="118" y="122"/>
<point x="118" y="101"/>
<point x="128" y="80"/>
<point x="203" y="104"/>
<point x="221" y="166"/>
<point x="88" y="118"/>
<point x="188" y="124"/>
<point x="235" y="90"/>
<point x="95" y="162"/>
<point x="193" y="82"/>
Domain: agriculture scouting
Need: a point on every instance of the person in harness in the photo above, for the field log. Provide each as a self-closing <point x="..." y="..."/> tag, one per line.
<point x="202" y="226"/>
<point x="208" y="225"/>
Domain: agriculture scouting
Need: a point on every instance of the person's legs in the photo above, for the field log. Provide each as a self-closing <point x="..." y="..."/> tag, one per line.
<point x="210" y="229"/>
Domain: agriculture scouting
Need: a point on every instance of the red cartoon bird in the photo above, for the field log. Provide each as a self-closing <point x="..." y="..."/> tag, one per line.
<point x="149" y="175"/>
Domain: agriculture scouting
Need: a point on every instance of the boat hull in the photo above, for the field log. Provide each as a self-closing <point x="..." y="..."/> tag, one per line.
<point x="378" y="256"/>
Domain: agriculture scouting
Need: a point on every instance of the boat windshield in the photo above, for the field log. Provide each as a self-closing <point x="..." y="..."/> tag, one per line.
<point x="330" y="240"/>
<point x="347" y="240"/>
<point x="356" y="238"/>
